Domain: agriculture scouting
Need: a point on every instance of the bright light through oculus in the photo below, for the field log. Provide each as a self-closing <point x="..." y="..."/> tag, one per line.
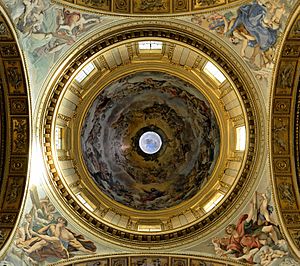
<point x="150" y="142"/>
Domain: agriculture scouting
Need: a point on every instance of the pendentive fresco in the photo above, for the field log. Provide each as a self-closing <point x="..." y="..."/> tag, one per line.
<point x="255" y="237"/>
<point x="46" y="31"/>
<point x="253" y="29"/>
<point x="44" y="235"/>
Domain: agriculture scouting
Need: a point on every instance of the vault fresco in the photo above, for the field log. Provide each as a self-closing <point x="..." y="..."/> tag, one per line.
<point x="47" y="30"/>
<point x="106" y="213"/>
<point x="167" y="105"/>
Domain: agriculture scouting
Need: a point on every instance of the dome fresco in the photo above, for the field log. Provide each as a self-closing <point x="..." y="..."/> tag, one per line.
<point x="150" y="140"/>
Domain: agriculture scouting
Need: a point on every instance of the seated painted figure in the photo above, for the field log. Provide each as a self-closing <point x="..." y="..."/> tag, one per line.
<point x="251" y="16"/>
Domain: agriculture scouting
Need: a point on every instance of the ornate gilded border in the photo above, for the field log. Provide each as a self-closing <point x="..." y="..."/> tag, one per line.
<point x="243" y="85"/>
<point x="149" y="7"/>
<point x="15" y="131"/>
<point x="285" y="125"/>
<point x="107" y="206"/>
<point x="164" y="259"/>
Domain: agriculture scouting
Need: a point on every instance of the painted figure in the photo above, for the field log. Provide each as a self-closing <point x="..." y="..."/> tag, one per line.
<point x="255" y="27"/>
<point x="44" y="234"/>
<point x="73" y="23"/>
<point x="255" y="238"/>
<point x="250" y="23"/>
<point x="24" y="232"/>
<point x="56" y="237"/>
<point x="46" y="30"/>
<point x="129" y="183"/>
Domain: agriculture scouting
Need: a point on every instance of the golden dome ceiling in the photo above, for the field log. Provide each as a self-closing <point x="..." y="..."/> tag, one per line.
<point x="156" y="214"/>
<point x="76" y="105"/>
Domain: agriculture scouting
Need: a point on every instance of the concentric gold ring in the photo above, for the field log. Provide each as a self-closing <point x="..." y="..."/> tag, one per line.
<point x="106" y="216"/>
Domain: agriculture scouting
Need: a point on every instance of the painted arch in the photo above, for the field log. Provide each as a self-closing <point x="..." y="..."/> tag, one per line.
<point x="285" y="137"/>
<point x="14" y="131"/>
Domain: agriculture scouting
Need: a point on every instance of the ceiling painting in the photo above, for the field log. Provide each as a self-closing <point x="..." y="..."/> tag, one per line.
<point x="45" y="31"/>
<point x="150" y="140"/>
<point x="65" y="113"/>
<point x="45" y="235"/>
<point x="253" y="30"/>
<point x="170" y="108"/>
<point x="255" y="237"/>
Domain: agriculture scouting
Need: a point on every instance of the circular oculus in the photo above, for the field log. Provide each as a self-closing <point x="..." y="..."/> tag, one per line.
<point x="150" y="142"/>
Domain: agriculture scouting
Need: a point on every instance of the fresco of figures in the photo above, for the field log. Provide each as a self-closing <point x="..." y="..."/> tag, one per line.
<point x="150" y="101"/>
<point x="255" y="237"/>
<point x="44" y="236"/>
<point x="254" y="28"/>
<point x="46" y="30"/>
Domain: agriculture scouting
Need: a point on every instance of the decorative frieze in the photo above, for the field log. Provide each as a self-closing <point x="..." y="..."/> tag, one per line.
<point x="14" y="77"/>
<point x="14" y="132"/>
<point x="285" y="78"/>
<point x="8" y="50"/>
<point x="149" y="7"/>
<point x="291" y="50"/>
<point x="282" y="106"/>
<point x="281" y="136"/>
<point x="18" y="165"/>
<point x="285" y="140"/>
<point x="286" y="193"/>
<point x="20" y="136"/>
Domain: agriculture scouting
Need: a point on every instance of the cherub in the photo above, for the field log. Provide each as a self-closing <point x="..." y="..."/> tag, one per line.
<point x="30" y="6"/>
<point x="268" y="254"/>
